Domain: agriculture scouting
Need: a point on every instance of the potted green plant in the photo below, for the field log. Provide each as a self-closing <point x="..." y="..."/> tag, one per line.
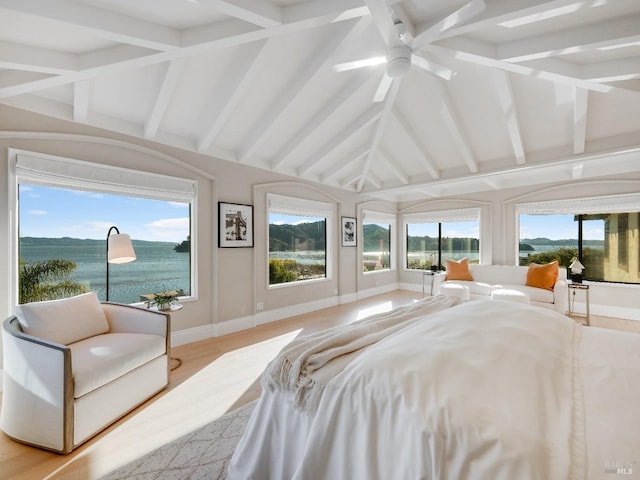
<point x="164" y="300"/>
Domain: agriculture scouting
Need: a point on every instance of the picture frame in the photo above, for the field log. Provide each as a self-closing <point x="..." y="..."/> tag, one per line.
<point x="235" y="225"/>
<point x="349" y="231"/>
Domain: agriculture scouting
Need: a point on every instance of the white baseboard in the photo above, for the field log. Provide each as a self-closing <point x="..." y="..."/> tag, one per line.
<point x="293" y="310"/>
<point x="190" y="335"/>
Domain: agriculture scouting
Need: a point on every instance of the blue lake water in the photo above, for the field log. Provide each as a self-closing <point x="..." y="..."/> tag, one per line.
<point x="157" y="268"/>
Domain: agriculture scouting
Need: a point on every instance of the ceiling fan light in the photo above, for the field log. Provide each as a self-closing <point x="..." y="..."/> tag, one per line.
<point x="398" y="61"/>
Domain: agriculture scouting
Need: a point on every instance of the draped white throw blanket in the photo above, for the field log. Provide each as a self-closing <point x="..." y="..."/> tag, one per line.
<point x="308" y="363"/>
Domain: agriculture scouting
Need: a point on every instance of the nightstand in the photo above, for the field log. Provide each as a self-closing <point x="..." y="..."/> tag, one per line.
<point x="572" y="289"/>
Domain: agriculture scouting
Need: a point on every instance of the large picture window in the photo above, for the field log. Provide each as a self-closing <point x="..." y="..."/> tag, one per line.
<point x="432" y="237"/>
<point x="298" y="247"/>
<point x="606" y="243"/>
<point x="377" y="241"/>
<point x="63" y="218"/>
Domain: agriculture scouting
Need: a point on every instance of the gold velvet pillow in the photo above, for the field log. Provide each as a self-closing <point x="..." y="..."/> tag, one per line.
<point x="542" y="276"/>
<point x="458" y="270"/>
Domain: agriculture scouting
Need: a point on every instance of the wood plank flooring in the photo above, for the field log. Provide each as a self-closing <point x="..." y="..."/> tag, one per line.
<point x="217" y="375"/>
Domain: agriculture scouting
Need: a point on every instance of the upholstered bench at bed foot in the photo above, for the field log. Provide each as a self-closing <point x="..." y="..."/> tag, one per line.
<point x="510" y="295"/>
<point x="455" y="290"/>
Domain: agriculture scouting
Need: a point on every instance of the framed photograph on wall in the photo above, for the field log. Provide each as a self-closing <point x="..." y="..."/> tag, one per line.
<point x="235" y="227"/>
<point x="349" y="232"/>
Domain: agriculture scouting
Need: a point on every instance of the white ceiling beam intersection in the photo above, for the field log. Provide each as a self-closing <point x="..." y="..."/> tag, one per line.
<point x="319" y="60"/>
<point x="581" y="100"/>
<point x="263" y="13"/>
<point x="429" y="33"/>
<point x="242" y="75"/>
<point x="465" y="50"/>
<point x="81" y="91"/>
<point x="170" y="81"/>
<point x="99" y="21"/>
<point x="371" y="115"/>
<point x="209" y="38"/>
<point x="329" y="111"/>
<point x="613" y="70"/>
<point x="507" y="101"/>
<point x="425" y="157"/>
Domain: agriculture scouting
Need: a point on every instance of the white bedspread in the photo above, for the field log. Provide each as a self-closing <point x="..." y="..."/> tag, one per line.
<point x="483" y="390"/>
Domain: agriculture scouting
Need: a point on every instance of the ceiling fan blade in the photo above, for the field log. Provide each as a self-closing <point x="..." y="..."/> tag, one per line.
<point x="365" y="62"/>
<point x="383" y="20"/>
<point x="383" y="88"/>
<point x="434" y="68"/>
<point x="433" y="32"/>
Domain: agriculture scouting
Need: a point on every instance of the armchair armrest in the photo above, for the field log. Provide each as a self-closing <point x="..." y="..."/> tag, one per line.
<point x="130" y="319"/>
<point x="37" y="400"/>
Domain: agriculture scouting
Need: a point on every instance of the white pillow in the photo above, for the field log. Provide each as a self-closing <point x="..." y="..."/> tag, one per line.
<point x="65" y="321"/>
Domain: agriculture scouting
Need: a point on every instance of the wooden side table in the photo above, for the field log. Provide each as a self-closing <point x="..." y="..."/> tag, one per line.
<point x="571" y="292"/>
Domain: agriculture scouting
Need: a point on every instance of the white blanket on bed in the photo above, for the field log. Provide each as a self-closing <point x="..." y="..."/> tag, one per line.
<point x="306" y="364"/>
<point x="483" y="390"/>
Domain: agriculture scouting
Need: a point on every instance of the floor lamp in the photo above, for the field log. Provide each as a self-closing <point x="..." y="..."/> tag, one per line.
<point x="119" y="250"/>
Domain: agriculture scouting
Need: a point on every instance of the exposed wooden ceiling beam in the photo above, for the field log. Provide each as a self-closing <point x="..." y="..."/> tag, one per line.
<point x="329" y="111"/>
<point x="387" y="159"/>
<point x="424" y="156"/>
<point x="263" y="13"/>
<point x="204" y="39"/>
<point x="99" y="21"/>
<point x="454" y="127"/>
<point x="318" y="61"/>
<point x="363" y="121"/>
<point x="379" y="130"/>
<point x="170" y="81"/>
<point x="241" y="77"/>
<point x="344" y="163"/>
<point x="429" y="33"/>
<point x="504" y="91"/>
<point x="580" y="103"/>
<point x="573" y="40"/>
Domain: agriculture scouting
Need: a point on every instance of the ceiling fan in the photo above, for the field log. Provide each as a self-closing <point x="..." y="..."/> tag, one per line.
<point x="401" y="49"/>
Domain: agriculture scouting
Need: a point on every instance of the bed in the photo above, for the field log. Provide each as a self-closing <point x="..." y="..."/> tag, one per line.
<point x="466" y="390"/>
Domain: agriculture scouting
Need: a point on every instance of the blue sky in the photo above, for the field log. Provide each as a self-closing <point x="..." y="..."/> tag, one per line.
<point x="55" y="212"/>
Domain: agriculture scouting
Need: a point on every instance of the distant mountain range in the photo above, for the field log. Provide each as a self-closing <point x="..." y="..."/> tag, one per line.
<point x="76" y="242"/>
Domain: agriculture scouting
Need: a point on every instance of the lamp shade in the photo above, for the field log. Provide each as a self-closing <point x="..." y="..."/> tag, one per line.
<point x="120" y="249"/>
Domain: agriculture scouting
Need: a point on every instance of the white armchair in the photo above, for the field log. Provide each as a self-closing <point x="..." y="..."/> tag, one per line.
<point x="74" y="366"/>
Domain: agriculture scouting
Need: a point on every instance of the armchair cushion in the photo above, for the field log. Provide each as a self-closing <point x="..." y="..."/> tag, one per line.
<point x="99" y="360"/>
<point x="64" y="321"/>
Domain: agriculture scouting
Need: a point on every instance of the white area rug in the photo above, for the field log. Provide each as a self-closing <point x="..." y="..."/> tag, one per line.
<point x="202" y="454"/>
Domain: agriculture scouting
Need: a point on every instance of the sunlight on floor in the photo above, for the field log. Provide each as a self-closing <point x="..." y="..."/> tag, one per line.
<point x="379" y="308"/>
<point x="211" y="392"/>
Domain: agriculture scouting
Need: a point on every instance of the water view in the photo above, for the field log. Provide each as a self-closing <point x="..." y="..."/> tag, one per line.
<point x="157" y="268"/>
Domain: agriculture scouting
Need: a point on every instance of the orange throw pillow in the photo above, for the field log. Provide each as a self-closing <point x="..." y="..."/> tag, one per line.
<point x="542" y="276"/>
<point x="458" y="270"/>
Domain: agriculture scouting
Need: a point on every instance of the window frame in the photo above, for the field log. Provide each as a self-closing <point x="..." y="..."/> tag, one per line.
<point x="63" y="172"/>
<point x="296" y="206"/>
<point x="579" y="206"/>
<point x="439" y="217"/>
<point x="374" y="216"/>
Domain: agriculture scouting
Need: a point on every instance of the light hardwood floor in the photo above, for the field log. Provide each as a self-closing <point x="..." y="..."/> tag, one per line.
<point x="216" y="376"/>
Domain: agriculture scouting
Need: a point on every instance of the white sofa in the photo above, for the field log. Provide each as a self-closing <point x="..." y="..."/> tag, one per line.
<point x="487" y="278"/>
<point x="74" y="366"/>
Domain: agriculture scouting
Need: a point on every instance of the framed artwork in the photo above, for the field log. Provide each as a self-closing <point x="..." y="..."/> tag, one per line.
<point x="349" y="232"/>
<point x="235" y="227"/>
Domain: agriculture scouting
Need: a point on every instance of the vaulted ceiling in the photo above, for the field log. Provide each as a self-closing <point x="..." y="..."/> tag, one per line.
<point x="500" y="93"/>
